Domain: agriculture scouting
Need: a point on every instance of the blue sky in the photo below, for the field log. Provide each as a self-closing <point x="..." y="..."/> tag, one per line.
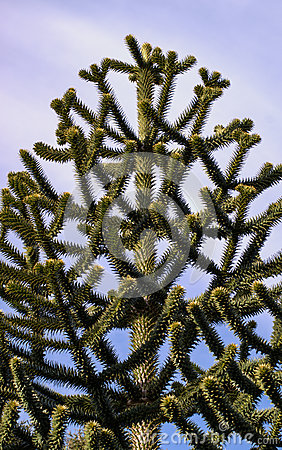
<point x="45" y="43"/>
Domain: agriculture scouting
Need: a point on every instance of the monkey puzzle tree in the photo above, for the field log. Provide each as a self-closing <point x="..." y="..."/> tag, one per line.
<point x="149" y="241"/>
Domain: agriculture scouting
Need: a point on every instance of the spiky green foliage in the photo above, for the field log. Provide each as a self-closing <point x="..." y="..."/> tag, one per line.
<point x="122" y="404"/>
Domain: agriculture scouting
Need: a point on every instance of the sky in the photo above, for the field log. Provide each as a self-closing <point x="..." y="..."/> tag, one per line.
<point x="44" y="44"/>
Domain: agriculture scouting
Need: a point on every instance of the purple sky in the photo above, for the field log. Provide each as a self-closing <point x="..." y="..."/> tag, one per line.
<point x="45" y="43"/>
